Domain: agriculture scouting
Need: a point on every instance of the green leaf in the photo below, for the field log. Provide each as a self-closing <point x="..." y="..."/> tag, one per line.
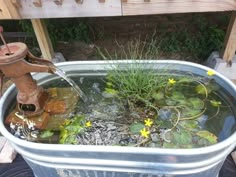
<point x="215" y="103"/>
<point x="109" y="84"/>
<point x="196" y="103"/>
<point x="136" y="127"/>
<point x="158" y="96"/>
<point x="189" y="124"/>
<point x="208" y="136"/>
<point x="171" y="102"/>
<point x="46" y="134"/>
<point x="182" y="138"/>
<point x="200" y="89"/>
<point x="169" y="145"/>
<point x="111" y="91"/>
<point x="185" y="79"/>
<point x="188" y="112"/>
<point x="177" y="96"/>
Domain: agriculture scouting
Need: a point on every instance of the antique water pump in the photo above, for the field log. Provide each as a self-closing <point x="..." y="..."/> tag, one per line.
<point x="16" y="62"/>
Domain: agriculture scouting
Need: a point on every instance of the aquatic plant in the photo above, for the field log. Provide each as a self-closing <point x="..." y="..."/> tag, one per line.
<point x="168" y="106"/>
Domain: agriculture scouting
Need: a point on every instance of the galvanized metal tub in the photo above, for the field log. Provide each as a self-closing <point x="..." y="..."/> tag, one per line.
<point x="53" y="160"/>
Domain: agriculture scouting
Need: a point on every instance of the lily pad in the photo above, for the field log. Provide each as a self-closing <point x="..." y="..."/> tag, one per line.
<point x="177" y="96"/>
<point x="200" y="89"/>
<point x="188" y="112"/>
<point x="210" y="137"/>
<point x="196" y="103"/>
<point x="189" y="124"/>
<point x="158" y="95"/>
<point x="136" y="127"/>
<point x="182" y="138"/>
<point x="215" y="103"/>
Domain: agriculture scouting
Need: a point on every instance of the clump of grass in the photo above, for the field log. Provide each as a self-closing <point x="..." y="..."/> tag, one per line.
<point x="136" y="49"/>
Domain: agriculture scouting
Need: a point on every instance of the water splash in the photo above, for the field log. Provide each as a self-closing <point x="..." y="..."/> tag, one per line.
<point x="62" y="74"/>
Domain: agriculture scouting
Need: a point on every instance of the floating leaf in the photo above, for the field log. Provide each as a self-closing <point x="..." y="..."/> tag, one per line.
<point x="171" y="102"/>
<point x="111" y="91"/>
<point x="185" y="79"/>
<point x="182" y="138"/>
<point x="188" y="112"/>
<point x="183" y="102"/>
<point x="164" y="124"/>
<point x="215" y="103"/>
<point x="177" y="96"/>
<point x="169" y="145"/>
<point x="189" y="124"/>
<point x="200" y="89"/>
<point x="196" y="103"/>
<point x="136" y="127"/>
<point x="208" y="136"/>
<point x="158" y="96"/>
<point x="46" y="134"/>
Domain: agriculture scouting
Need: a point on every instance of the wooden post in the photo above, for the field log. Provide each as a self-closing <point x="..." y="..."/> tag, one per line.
<point x="230" y="40"/>
<point x="44" y="41"/>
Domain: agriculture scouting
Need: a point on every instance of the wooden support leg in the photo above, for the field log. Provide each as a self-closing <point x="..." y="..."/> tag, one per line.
<point x="230" y="40"/>
<point x="44" y="41"/>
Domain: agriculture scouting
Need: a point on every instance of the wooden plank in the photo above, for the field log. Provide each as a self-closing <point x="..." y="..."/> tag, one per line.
<point x="140" y="7"/>
<point x="70" y="8"/>
<point x="37" y="3"/>
<point x="8" y="10"/>
<point x="79" y="1"/>
<point x="58" y="2"/>
<point x="230" y="40"/>
<point x="16" y="3"/>
<point x="44" y="41"/>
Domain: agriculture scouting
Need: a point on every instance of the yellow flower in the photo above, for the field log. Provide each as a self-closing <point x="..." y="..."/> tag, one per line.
<point x="171" y="81"/>
<point x="148" y="122"/>
<point x="144" y="133"/>
<point x="210" y="73"/>
<point x="88" y="124"/>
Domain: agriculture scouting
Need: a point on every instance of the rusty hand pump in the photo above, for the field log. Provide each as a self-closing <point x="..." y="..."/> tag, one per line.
<point x="16" y="62"/>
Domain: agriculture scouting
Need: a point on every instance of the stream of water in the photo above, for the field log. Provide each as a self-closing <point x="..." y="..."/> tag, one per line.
<point x="63" y="75"/>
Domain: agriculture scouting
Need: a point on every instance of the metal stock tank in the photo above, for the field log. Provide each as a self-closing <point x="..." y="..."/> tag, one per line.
<point x="52" y="160"/>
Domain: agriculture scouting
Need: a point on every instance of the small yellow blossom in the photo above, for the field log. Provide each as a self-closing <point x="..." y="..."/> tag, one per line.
<point x="144" y="132"/>
<point x="88" y="124"/>
<point x="148" y="122"/>
<point x="171" y="81"/>
<point x="210" y="73"/>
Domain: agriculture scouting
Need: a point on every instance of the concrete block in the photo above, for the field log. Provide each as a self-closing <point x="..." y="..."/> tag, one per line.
<point x="215" y="62"/>
<point x="58" y="58"/>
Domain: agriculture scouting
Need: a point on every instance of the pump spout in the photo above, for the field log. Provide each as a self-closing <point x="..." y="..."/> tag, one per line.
<point x="16" y="62"/>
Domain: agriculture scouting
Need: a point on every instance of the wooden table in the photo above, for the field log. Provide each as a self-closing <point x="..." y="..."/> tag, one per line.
<point x="37" y="10"/>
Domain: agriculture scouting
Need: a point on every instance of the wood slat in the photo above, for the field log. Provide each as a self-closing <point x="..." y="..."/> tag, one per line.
<point x="8" y="10"/>
<point x="70" y="8"/>
<point x="37" y="3"/>
<point x="140" y="7"/>
<point x="230" y="40"/>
